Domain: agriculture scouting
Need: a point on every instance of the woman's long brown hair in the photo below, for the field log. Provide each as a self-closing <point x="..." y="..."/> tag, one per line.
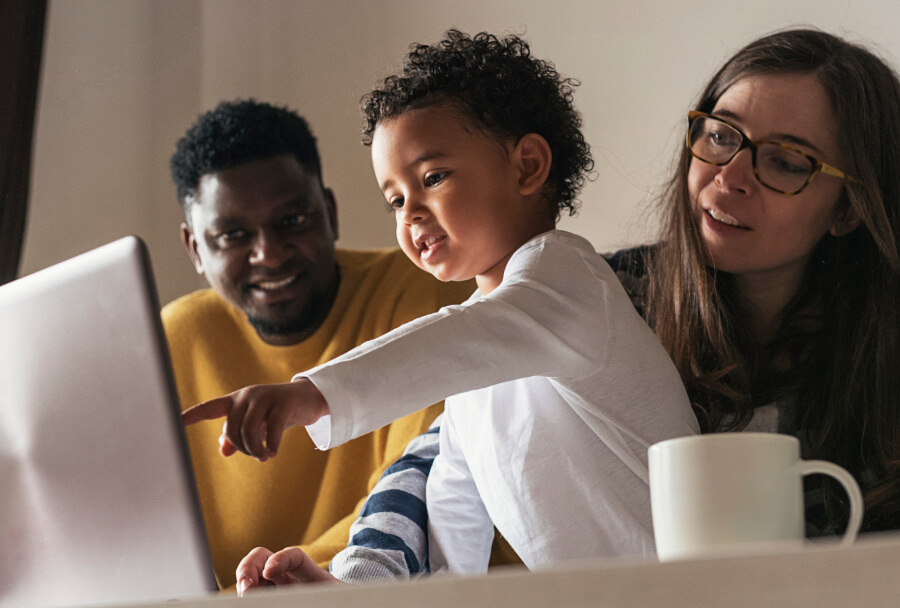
<point x="837" y="349"/>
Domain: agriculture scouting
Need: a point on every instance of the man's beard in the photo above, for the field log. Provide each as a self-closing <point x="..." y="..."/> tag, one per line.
<point x="282" y="327"/>
<point x="305" y="322"/>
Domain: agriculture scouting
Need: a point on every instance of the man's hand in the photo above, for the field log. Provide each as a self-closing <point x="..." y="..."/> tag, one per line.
<point x="262" y="568"/>
<point x="257" y="416"/>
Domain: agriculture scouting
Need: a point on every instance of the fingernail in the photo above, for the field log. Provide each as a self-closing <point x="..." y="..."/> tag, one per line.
<point x="242" y="585"/>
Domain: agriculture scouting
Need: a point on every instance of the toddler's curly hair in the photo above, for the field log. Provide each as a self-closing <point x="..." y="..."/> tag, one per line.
<point x="504" y="90"/>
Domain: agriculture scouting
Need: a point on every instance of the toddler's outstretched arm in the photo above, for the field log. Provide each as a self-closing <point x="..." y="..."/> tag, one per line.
<point x="257" y="416"/>
<point x="290" y="566"/>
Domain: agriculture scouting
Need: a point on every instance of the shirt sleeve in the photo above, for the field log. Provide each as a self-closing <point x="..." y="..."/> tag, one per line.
<point x="401" y="436"/>
<point x="460" y="531"/>
<point x="388" y="541"/>
<point x="524" y="328"/>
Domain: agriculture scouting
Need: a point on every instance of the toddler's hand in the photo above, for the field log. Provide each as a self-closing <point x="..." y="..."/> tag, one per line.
<point x="262" y="568"/>
<point x="259" y="415"/>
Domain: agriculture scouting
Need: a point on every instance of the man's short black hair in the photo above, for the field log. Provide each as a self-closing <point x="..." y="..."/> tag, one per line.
<point x="503" y="89"/>
<point x="236" y="132"/>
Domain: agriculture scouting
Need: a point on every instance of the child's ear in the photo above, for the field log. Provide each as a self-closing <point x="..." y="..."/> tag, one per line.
<point x="533" y="157"/>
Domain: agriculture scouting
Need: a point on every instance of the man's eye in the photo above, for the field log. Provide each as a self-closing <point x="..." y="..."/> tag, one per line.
<point x="232" y="237"/>
<point x="294" y="220"/>
<point x="433" y="179"/>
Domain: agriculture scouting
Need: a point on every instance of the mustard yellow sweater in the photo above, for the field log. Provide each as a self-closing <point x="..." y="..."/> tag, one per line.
<point x="303" y="496"/>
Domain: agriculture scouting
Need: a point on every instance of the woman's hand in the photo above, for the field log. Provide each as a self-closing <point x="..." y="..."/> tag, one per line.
<point x="257" y="416"/>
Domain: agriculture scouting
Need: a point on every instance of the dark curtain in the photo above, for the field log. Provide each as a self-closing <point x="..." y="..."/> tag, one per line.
<point x="21" y="41"/>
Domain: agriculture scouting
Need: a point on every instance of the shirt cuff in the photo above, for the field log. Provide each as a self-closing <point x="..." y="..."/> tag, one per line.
<point x="331" y="429"/>
<point x="320" y="432"/>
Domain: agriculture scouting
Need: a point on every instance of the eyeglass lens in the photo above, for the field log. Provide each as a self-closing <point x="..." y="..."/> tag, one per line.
<point x="716" y="142"/>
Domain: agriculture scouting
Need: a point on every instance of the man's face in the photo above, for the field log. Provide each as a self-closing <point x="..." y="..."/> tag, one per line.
<point x="263" y="235"/>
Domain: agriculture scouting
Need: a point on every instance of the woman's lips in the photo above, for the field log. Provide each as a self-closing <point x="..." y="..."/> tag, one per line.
<point x="723" y="218"/>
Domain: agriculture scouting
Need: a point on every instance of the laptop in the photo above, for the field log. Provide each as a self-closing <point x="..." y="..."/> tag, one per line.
<point x="97" y="497"/>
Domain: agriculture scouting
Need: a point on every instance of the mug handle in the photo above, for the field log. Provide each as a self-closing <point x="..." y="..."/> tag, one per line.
<point x="808" y="467"/>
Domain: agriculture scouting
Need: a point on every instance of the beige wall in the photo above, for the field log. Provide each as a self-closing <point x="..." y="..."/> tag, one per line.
<point x="122" y="80"/>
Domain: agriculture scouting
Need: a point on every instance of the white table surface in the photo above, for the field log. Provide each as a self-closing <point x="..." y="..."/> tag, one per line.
<point x="866" y="574"/>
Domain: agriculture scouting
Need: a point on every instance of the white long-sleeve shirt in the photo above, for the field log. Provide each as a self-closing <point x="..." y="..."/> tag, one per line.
<point x="560" y="388"/>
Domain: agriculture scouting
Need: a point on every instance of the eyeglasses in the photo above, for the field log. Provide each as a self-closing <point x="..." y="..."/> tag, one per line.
<point x="777" y="166"/>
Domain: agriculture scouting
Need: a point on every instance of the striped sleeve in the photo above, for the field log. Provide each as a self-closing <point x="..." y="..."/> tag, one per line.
<point x="389" y="540"/>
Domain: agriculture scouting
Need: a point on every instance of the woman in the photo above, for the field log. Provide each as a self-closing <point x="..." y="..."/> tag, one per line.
<point x="776" y="288"/>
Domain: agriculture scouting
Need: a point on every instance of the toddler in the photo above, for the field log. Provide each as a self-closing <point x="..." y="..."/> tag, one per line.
<point x="555" y="386"/>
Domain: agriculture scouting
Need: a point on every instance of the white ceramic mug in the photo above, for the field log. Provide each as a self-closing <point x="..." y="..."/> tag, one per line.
<point x="723" y="493"/>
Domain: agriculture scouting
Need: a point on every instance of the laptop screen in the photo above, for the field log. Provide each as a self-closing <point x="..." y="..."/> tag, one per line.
<point x="98" y="503"/>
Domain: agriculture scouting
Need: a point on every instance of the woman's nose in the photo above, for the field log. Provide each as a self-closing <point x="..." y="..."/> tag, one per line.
<point x="738" y="174"/>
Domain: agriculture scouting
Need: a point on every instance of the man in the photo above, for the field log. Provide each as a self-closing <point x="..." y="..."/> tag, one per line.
<point x="261" y="227"/>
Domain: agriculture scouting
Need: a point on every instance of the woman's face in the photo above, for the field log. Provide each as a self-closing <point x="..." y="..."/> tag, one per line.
<point x="749" y="230"/>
